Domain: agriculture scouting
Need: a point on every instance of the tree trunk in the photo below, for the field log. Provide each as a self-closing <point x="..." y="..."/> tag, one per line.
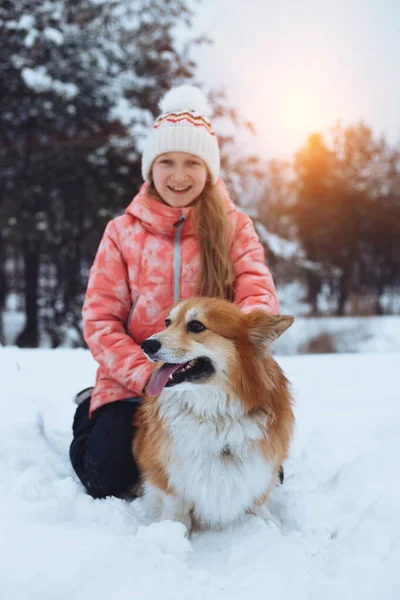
<point x="379" y="310"/>
<point x="29" y="337"/>
<point x="313" y="289"/>
<point x="3" y="287"/>
<point x="344" y="290"/>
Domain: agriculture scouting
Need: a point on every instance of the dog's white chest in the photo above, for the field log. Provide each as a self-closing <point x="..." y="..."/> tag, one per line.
<point x="214" y="464"/>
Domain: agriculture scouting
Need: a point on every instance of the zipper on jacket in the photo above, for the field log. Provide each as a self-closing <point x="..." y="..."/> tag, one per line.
<point x="135" y="299"/>
<point x="177" y="255"/>
<point x="180" y="222"/>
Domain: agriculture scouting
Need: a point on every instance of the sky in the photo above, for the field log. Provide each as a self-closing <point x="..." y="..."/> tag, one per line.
<point x="297" y="67"/>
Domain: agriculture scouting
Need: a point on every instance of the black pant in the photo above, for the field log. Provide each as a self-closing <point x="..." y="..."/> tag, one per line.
<point x="101" y="449"/>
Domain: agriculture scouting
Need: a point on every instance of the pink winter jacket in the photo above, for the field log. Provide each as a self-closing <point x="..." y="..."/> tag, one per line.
<point x="147" y="260"/>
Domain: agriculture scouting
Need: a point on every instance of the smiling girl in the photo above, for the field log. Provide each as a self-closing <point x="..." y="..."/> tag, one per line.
<point x="180" y="236"/>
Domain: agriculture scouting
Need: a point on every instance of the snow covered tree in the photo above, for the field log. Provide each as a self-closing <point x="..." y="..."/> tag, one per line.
<point x="79" y="84"/>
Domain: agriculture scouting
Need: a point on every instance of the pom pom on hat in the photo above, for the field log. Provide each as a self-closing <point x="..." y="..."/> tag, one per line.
<point x="185" y="97"/>
<point x="183" y="126"/>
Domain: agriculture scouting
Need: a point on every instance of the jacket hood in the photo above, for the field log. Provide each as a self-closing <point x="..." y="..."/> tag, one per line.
<point x="161" y="218"/>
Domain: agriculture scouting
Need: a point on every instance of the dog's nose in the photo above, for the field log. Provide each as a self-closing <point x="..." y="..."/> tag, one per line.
<point x="150" y="346"/>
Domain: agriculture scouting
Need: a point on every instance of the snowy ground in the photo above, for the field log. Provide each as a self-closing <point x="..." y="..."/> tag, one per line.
<point x="338" y="511"/>
<point x="312" y="335"/>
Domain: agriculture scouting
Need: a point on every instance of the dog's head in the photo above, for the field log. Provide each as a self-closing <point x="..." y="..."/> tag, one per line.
<point x="212" y="342"/>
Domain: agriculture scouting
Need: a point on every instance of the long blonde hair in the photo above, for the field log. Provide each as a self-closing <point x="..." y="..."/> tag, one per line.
<point x="217" y="275"/>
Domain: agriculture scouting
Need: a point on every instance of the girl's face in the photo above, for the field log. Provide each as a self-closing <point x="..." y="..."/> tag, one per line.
<point x="179" y="177"/>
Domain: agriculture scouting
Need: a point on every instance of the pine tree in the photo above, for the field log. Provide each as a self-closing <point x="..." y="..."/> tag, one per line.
<point x="79" y="85"/>
<point x="347" y="210"/>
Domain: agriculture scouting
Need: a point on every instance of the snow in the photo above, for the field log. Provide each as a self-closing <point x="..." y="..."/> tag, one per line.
<point x="310" y="334"/>
<point x="54" y="35"/>
<point x="126" y="112"/>
<point x="30" y="38"/>
<point x="40" y="81"/>
<point x="278" y="245"/>
<point x="25" y="22"/>
<point x="338" y="526"/>
<point x="340" y="334"/>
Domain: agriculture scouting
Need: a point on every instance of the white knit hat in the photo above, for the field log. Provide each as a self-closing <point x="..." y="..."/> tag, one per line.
<point x="183" y="126"/>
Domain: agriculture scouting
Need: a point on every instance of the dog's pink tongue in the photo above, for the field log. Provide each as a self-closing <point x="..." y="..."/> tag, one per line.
<point x="159" y="379"/>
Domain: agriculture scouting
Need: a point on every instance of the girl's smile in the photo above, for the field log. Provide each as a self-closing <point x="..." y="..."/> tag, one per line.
<point x="179" y="177"/>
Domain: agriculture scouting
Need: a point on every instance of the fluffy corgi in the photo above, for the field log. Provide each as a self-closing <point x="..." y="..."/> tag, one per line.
<point x="216" y="422"/>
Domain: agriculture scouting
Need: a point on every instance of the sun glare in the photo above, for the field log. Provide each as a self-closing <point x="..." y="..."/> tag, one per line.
<point x="301" y="114"/>
<point x="288" y="113"/>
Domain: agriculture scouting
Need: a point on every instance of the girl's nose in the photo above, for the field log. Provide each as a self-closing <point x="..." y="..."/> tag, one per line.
<point x="179" y="174"/>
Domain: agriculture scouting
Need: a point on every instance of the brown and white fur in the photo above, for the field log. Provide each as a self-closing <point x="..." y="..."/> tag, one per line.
<point x="209" y="445"/>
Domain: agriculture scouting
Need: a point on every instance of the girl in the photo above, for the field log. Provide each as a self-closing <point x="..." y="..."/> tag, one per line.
<point x="180" y="236"/>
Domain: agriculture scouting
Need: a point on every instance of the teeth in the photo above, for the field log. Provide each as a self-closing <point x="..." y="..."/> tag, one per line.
<point x="187" y="367"/>
<point x="179" y="189"/>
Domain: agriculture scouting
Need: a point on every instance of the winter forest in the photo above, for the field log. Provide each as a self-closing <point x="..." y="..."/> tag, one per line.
<point x="80" y="85"/>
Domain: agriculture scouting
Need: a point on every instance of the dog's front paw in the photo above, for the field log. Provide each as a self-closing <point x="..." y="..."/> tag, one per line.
<point x="170" y="536"/>
<point x="186" y="520"/>
<point x="265" y="514"/>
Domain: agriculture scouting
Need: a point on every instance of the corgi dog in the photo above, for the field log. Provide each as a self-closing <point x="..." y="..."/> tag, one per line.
<point x="216" y="421"/>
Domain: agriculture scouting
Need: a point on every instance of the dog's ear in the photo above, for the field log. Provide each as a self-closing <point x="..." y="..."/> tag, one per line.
<point x="264" y="328"/>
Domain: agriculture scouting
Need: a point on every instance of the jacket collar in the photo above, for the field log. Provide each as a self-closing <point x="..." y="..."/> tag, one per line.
<point x="161" y="218"/>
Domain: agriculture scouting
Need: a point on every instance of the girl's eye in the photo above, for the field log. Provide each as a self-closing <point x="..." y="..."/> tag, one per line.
<point x="165" y="161"/>
<point x="167" y="322"/>
<point x="196" y="327"/>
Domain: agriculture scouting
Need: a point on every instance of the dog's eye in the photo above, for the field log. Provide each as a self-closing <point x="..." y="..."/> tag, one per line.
<point x="195" y="327"/>
<point x="167" y="322"/>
